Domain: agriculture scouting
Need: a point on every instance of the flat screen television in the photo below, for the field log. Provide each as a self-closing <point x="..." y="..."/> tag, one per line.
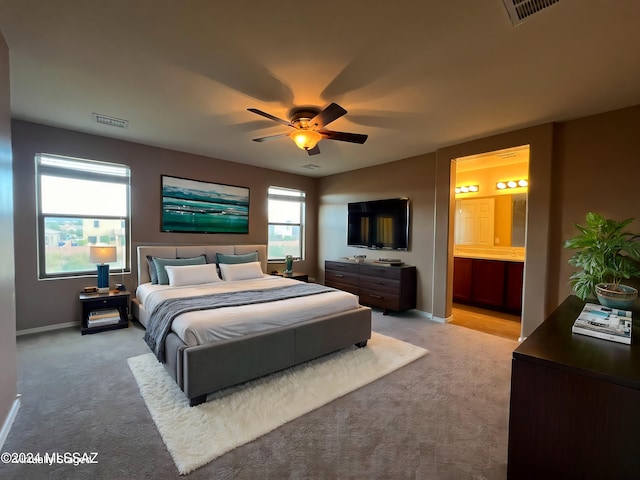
<point x="379" y="224"/>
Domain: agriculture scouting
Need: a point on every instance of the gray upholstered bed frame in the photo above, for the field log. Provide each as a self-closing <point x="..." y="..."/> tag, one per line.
<point x="204" y="369"/>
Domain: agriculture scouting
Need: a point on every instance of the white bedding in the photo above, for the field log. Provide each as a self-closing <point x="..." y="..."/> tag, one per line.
<point x="206" y="326"/>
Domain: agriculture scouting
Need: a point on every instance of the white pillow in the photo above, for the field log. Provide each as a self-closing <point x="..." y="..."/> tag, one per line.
<point x="241" y="271"/>
<point x="183" y="275"/>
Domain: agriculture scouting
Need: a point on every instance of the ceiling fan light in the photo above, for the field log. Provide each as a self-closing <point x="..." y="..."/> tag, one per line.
<point x="305" y="139"/>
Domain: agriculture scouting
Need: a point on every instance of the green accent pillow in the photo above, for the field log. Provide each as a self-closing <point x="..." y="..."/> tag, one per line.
<point x="233" y="259"/>
<point x="152" y="270"/>
<point x="160" y="263"/>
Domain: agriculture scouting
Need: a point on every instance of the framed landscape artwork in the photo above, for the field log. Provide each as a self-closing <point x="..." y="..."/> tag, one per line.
<point x="194" y="206"/>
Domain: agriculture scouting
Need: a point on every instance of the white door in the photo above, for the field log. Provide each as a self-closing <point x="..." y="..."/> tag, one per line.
<point x="474" y="222"/>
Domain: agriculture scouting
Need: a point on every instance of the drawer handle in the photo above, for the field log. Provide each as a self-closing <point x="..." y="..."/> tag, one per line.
<point x="339" y="275"/>
<point x="374" y="296"/>
<point x="379" y="283"/>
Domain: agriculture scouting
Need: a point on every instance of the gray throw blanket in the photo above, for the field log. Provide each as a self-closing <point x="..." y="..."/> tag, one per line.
<point x="162" y="316"/>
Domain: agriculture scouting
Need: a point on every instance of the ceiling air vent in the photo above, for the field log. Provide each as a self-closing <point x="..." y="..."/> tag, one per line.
<point x="111" y="121"/>
<point x="311" y="166"/>
<point x="520" y="10"/>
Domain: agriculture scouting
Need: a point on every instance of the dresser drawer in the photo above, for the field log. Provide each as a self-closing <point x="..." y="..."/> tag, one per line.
<point x="385" y="300"/>
<point x="380" y="284"/>
<point x="381" y="271"/>
<point x="343" y="286"/>
<point x="342" y="267"/>
<point x="334" y="276"/>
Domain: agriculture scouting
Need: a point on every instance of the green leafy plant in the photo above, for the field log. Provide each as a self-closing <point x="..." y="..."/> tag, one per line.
<point x="606" y="253"/>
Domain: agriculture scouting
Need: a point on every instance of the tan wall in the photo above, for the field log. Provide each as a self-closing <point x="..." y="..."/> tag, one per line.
<point x="427" y="181"/>
<point x="596" y="167"/>
<point x="58" y="299"/>
<point x="569" y="162"/>
<point x="412" y="178"/>
<point x="587" y="164"/>
<point x="8" y="369"/>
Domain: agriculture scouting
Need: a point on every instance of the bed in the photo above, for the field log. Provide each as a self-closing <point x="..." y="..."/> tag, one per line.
<point x="211" y="347"/>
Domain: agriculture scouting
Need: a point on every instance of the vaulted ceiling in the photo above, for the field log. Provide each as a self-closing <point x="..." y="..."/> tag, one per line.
<point x="413" y="75"/>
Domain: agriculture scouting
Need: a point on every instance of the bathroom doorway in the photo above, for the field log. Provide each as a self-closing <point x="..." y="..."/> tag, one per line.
<point x="489" y="240"/>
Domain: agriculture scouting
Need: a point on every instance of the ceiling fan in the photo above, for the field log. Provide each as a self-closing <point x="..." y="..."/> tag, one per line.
<point x="309" y="124"/>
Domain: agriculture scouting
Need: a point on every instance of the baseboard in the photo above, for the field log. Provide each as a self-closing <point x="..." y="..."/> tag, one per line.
<point x="441" y="319"/>
<point x="431" y="316"/>
<point x="57" y="326"/>
<point x="4" y="432"/>
<point x="420" y="313"/>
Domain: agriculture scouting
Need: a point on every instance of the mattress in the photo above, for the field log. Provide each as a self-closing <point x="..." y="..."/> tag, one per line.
<point x="207" y="326"/>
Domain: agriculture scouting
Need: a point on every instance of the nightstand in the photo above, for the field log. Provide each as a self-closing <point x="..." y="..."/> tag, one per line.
<point x="303" y="277"/>
<point x="104" y="308"/>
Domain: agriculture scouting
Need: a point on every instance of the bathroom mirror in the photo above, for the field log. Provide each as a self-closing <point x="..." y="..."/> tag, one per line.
<point x="518" y="219"/>
<point x="498" y="221"/>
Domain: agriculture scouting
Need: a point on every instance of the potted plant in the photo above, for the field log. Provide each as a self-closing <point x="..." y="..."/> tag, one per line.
<point x="606" y="254"/>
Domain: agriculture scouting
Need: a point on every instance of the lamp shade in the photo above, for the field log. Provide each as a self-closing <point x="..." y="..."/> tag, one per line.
<point x="305" y="139"/>
<point x="102" y="254"/>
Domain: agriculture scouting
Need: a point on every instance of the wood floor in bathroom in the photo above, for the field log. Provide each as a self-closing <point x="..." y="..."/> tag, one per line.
<point x="495" y="323"/>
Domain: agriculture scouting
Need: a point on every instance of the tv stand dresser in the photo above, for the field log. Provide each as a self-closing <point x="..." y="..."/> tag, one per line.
<point x="387" y="287"/>
<point x="575" y="403"/>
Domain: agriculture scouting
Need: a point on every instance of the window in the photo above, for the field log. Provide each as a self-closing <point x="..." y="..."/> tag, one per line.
<point x="286" y="221"/>
<point x="80" y="203"/>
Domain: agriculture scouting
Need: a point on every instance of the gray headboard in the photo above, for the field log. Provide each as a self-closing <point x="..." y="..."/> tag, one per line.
<point x="186" y="251"/>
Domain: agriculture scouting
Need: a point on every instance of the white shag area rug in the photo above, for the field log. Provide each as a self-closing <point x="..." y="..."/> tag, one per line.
<point x="232" y="417"/>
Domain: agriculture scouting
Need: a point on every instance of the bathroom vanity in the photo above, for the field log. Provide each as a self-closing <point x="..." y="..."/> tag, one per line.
<point x="489" y="279"/>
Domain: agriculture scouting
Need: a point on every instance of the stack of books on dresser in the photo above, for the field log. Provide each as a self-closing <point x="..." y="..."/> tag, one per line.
<point x="98" y="318"/>
<point x="395" y="262"/>
<point x="604" y="322"/>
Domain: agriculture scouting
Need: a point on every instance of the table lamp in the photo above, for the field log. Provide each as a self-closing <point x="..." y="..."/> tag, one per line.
<point x="102" y="255"/>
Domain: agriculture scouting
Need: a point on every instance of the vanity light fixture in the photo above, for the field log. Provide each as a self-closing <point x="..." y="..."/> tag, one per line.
<point x="512" y="184"/>
<point x="468" y="189"/>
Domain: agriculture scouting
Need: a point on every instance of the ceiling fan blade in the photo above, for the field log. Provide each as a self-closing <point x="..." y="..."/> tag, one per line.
<point x="314" y="151"/>
<point x="269" y="116"/>
<point x="328" y="115"/>
<point x="343" y="136"/>
<point x="270" y="137"/>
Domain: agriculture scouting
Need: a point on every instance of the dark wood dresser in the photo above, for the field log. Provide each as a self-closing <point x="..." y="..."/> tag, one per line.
<point x="383" y="286"/>
<point x="575" y="403"/>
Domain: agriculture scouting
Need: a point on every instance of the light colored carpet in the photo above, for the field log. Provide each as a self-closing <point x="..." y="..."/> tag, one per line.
<point x="195" y="436"/>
